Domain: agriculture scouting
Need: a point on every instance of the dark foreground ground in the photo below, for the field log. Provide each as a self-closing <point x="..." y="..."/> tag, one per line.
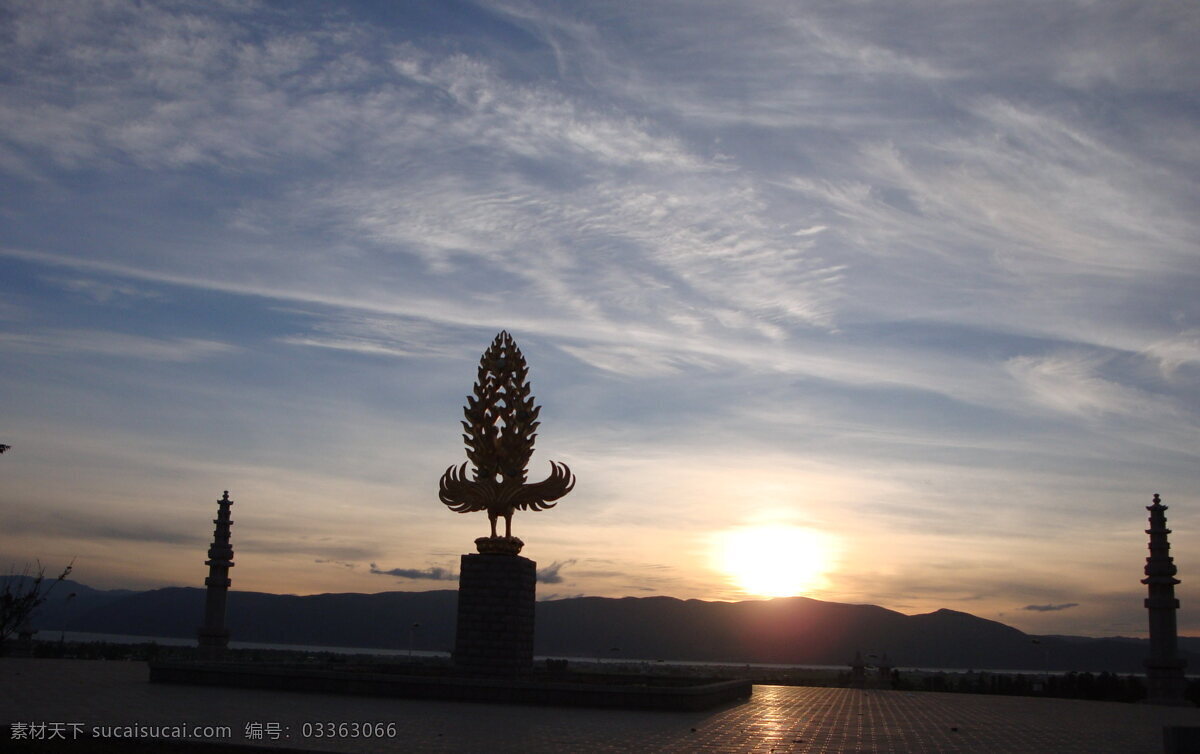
<point x="99" y="698"/>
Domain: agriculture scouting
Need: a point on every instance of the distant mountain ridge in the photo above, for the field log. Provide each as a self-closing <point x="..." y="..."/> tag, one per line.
<point x="791" y="630"/>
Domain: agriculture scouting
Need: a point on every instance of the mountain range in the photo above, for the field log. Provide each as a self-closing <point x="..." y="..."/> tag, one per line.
<point x="791" y="630"/>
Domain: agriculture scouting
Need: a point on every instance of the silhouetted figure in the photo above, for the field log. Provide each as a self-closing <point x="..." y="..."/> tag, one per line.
<point x="214" y="636"/>
<point x="1165" y="682"/>
<point x="858" y="671"/>
<point x="884" y="672"/>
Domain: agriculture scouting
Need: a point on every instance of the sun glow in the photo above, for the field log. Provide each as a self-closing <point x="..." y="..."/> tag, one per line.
<point x="774" y="561"/>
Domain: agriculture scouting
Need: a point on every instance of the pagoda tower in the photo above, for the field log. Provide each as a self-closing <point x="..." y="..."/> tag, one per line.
<point x="214" y="636"/>
<point x="1165" y="682"/>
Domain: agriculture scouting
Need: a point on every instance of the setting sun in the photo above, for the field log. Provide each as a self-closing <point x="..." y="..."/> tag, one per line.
<point x="774" y="561"/>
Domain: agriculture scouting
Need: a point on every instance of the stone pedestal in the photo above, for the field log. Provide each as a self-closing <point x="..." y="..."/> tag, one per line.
<point x="496" y="595"/>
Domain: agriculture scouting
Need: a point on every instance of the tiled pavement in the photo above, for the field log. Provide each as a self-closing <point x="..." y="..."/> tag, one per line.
<point x="776" y="719"/>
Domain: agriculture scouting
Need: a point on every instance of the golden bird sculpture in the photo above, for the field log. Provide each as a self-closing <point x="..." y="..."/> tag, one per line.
<point x="501" y="421"/>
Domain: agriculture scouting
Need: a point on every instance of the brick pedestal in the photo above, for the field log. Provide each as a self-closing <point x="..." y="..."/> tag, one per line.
<point x="496" y="596"/>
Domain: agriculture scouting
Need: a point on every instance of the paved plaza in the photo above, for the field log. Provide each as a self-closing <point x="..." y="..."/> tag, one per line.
<point x="59" y="693"/>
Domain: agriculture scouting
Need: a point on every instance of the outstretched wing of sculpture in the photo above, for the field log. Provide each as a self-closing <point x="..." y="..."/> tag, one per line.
<point x="499" y="428"/>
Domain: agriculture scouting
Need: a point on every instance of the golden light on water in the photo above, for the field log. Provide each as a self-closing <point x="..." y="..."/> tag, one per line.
<point x="774" y="561"/>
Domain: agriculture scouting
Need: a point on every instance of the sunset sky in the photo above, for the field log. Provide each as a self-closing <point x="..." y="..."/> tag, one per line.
<point x="872" y="302"/>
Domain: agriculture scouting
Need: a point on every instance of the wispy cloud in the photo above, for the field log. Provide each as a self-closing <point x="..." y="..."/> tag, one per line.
<point x="341" y="563"/>
<point x="104" y="291"/>
<point x="1051" y="608"/>
<point x="1071" y="384"/>
<point x="69" y="523"/>
<point x="115" y="344"/>
<point x="347" y="344"/>
<point x="379" y="335"/>
<point x="533" y="121"/>
<point x="419" y="574"/>
<point x="552" y="574"/>
<point x="1176" y="351"/>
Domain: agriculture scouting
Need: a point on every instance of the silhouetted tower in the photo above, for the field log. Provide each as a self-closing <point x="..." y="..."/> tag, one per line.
<point x="214" y="636"/>
<point x="1165" y="682"/>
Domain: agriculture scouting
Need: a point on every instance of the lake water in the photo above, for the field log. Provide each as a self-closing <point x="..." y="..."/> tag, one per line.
<point x="173" y="641"/>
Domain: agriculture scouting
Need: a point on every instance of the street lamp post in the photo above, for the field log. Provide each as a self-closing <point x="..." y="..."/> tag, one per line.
<point x="62" y="632"/>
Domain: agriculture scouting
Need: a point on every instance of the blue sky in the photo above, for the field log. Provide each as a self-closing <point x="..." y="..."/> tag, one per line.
<point x="915" y="282"/>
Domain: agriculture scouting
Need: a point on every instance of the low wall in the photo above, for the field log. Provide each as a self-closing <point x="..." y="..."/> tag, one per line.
<point x="627" y="693"/>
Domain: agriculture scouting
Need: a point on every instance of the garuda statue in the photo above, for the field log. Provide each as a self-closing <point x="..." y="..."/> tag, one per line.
<point x="500" y="427"/>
